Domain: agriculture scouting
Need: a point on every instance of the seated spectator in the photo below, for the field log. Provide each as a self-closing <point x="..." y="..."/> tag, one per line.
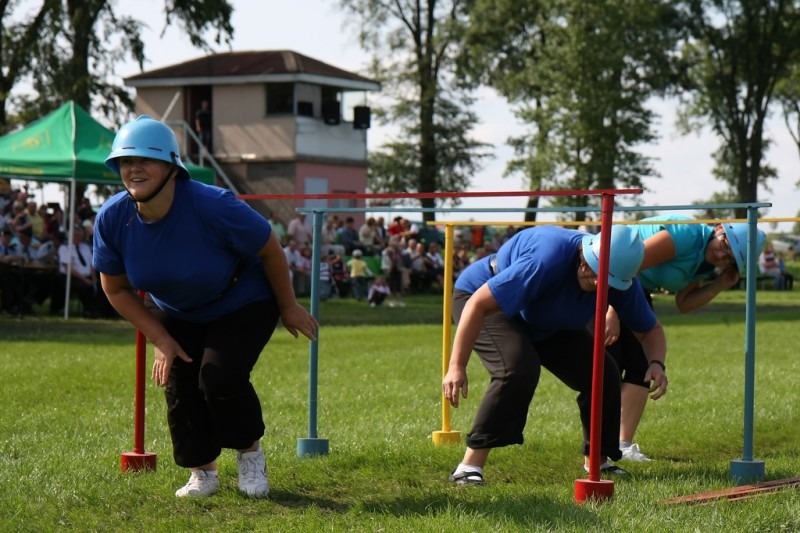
<point x="278" y="227"/>
<point x="88" y="227"/>
<point x="391" y="266"/>
<point x="34" y="280"/>
<point x="378" y="292"/>
<point x="294" y="260"/>
<point x="85" y="210"/>
<point x="10" y="296"/>
<point x="460" y="260"/>
<point x="300" y="231"/>
<point x="348" y="237"/>
<point x="27" y="246"/>
<point x="380" y="226"/>
<point x="480" y="253"/>
<point x="55" y="223"/>
<point x="396" y="227"/>
<point x="330" y="237"/>
<point x="76" y="260"/>
<point x="302" y="276"/>
<point x="324" y="277"/>
<point x="402" y="228"/>
<point x="507" y="234"/>
<point x="406" y="260"/>
<point x="339" y="275"/>
<point x="419" y="269"/>
<point x="37" y="221"/>
<point x="369" y="238"/>
<point x="359" y="271"/>
<point x="769" y="266"/>
<point x="19" y="219"/>
<point x="435" y="264"/>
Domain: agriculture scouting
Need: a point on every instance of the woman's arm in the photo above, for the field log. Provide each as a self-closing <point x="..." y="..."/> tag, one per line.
<point x="654" y="344"/>
<point x="122" y="297"/>
<point x="658" y="249"/>
<point x="697" y="293"/>
<point x="480" y="304"/>
<point x="294" y="317"/>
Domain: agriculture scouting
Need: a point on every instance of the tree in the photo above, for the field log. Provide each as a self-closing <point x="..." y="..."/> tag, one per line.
<point x="71" y="48"/>
<point x="414" y="44"/>
<point x="787" y="92"/>
<point x="17" y="41"/>
<point x="736" y="54"/>
<point x="580" y="74"/>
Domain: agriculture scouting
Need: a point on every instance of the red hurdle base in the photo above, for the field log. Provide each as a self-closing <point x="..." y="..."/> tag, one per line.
<point x="737" y="493"/>
<point x="137" y="461"/>
<point x="586" y="489"/>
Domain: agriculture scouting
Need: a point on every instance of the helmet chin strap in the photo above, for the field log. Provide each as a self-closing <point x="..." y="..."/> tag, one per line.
<point x="173" y="167"/>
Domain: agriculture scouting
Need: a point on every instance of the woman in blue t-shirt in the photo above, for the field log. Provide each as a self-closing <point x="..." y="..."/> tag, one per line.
<point x="216" y="283"/>
<point x="680" y="258"/>
<point x="527" y="307"/>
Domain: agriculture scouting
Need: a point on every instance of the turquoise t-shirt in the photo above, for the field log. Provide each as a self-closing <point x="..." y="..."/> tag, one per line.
<point x="689" y="263"/>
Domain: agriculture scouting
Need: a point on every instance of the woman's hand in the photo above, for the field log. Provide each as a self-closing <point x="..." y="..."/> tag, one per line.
<point x="297" y="320"/>
<point x="728" y="277"/>
<point x="658" y="381"/>
<point x="612" y="327"/>
<point x="455" y="381"/>
<point x="165" y="354"/>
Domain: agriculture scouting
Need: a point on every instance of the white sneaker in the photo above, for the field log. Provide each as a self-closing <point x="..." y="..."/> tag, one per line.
<point x="632" y="453"/>
<point x="199" y="484"/>
<point x="253" y="473"/>
<point x="391" y="304"/>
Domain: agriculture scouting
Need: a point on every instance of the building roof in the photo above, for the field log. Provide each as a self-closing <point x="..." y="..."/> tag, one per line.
<point x="252" y="67"/>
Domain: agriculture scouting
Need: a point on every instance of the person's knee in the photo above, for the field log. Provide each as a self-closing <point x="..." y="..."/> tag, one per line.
<point x="216" y="383"/>
<point x="522" y="382"/>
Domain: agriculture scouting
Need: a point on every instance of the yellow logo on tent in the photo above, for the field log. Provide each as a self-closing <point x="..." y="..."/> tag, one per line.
<point x="33" y="142"/>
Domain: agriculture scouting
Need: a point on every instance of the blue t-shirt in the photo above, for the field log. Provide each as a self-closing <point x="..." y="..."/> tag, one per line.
<point x="537" y="282"/>
<point x="689" y="263"/>
<point x="189" y="257"/>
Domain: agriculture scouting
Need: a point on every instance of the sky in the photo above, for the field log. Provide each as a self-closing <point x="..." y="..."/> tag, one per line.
<point x="317" y="28"/>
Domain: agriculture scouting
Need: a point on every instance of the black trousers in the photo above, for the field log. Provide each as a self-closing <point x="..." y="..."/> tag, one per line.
<point x="211" y="403"/>
<point x="514" y="364"/>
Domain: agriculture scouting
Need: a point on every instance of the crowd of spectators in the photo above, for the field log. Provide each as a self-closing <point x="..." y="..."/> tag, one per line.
<point x="35" y="254"/>
<point x="400" y="257"/>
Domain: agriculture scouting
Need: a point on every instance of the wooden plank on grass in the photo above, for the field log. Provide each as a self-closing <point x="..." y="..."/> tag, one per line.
<point x="737" y="493"/>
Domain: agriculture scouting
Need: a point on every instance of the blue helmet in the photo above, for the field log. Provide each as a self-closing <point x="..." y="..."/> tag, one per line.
<point x="627" y="253"/>
<point x="737" y="238"/>
<point x="146" y="137"/>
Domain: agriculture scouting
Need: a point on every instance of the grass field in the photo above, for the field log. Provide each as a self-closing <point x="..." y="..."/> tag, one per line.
<point x="67" y="389"/>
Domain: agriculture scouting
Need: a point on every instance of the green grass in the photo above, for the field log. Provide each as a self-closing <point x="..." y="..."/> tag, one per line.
<point x="67" y="388"/>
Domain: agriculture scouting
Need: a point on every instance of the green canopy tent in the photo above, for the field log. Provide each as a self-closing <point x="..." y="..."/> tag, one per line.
<point x="67" y="145"/>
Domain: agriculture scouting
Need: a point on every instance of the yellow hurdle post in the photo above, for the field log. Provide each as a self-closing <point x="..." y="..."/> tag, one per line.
<point x="446" y="435"/>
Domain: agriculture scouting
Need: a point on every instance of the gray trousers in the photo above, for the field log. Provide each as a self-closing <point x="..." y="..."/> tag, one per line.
<point x="514" y="363"/>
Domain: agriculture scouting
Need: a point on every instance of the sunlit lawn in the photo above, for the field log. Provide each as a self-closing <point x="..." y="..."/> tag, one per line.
<point x="67" y="392"/>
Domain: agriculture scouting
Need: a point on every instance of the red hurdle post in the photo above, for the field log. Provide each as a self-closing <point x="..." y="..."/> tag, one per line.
<point x="595" y="488"/>
<point x="139" y="459"/>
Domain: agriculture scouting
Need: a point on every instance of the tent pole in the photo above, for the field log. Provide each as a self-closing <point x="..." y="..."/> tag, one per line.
<point x="70" y="225"/>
